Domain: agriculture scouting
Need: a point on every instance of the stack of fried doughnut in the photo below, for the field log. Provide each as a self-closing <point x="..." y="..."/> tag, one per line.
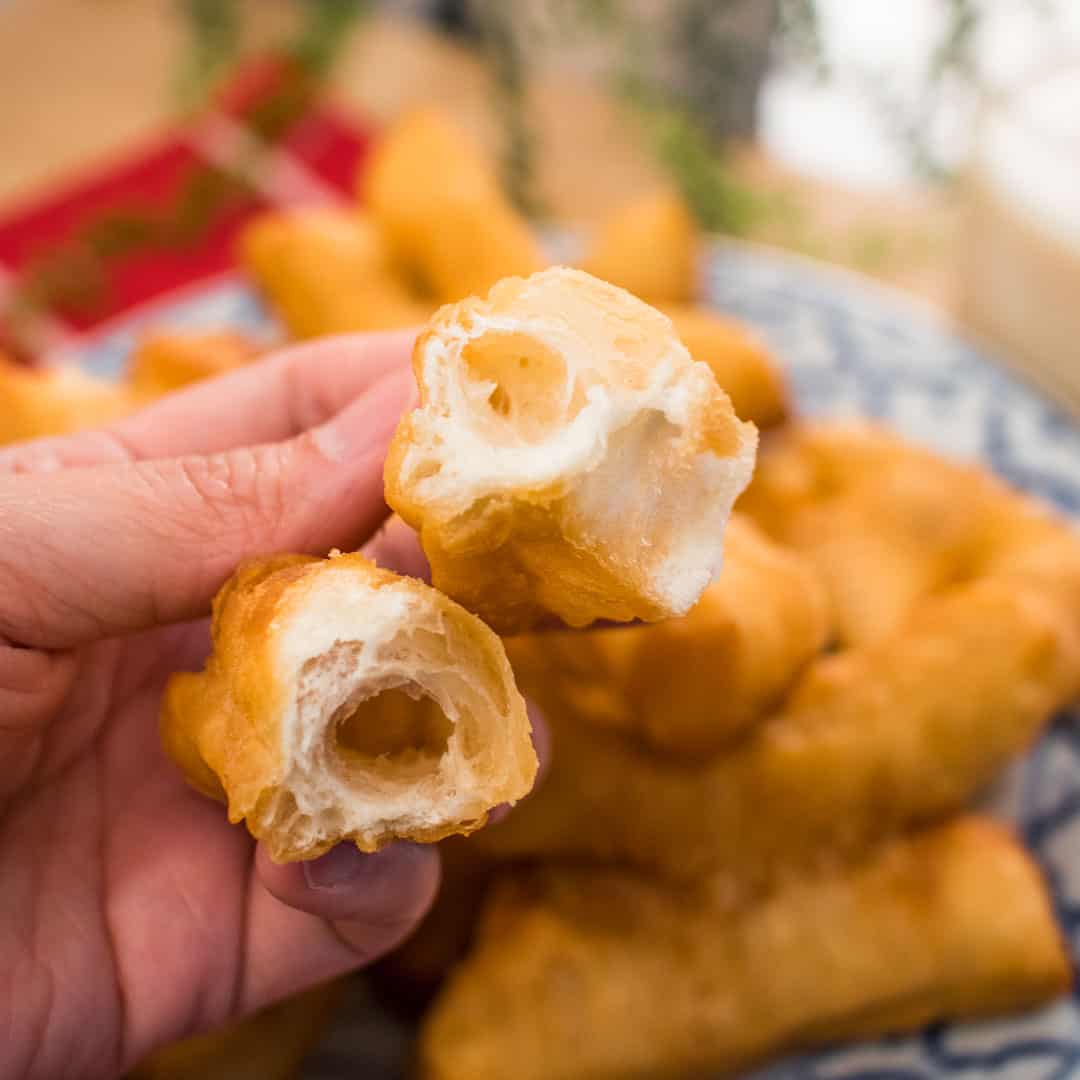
<point x="64" y="399"/>
<point x="700" y="907"/>
<point x="755" y="834"/>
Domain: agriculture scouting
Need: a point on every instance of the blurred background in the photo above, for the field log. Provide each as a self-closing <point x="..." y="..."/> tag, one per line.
<point x="934" y="145"/>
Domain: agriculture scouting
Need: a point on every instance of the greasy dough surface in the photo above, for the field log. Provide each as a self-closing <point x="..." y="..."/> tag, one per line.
<point x="442" y="209"/>
<point x="743" y="366"/>
<point x="870" y="742"/>
<point x="587" y="974"/>
<point x="568" y="457"/>
<point x="327" y="270"/>
<point x="888" y="524"/>
<point x="691" y="684"/>
<point x="649" y="247"/>
<point x="342" y="702"/>
<point x="169" y="360"/>
<point x="56" y="401"/>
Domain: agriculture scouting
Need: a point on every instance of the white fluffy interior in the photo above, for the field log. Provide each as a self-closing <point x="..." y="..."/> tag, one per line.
<point x="348" y="643"/>
<point x="630" y="401"/>
<point x="672" y="525"/>
<point x="458" y="433"/>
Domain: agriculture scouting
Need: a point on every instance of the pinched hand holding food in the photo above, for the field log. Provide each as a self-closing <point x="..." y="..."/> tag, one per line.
<point x="343" y="702"/>
<point x="568" y="456"/>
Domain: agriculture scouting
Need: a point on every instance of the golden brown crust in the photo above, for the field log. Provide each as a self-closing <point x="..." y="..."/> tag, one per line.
<point x="745" y="369"/>
<point x="441" y="208"/>
<point x="168" y="360"/>
<point x="585" y="974"/>
<point x="568" y="457"/>
<point x="888" y="524"/>
<point x="869" y="743"/>
<point x="650" y="247"/>
<point x="343" y="702"/>
<point x="328" y="271"/>
<point x="688" y="685"/>
<point x="56" y="401"/>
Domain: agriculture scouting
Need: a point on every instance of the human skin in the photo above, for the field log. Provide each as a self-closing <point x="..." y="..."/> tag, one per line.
<point x="131" y="912"/>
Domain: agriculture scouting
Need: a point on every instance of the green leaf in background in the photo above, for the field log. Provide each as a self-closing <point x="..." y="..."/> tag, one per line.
<point x="214" y="27"/>
<point x="323" y="32"/>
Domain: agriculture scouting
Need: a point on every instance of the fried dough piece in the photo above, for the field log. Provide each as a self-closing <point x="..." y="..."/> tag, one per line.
<point x="169" y="360"/>
<point x="326" y="270"/>
<point x="585" y="974"/>
<point x="267" y="1046"/>
<point x="688" y="685"/>
<point x="743" y="367"/>
<point x="441" y="208"/>
<point x="650" y="247"/>
<point x="871" y="742"/>
<point x="343" y="702"/>
<point x="568" y="456"/>
<point x="888" y="524"/>
<point x="57" y="401"/>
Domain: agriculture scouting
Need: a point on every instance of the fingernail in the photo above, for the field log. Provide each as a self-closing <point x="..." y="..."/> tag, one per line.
<point x="368" y="423"/>
<point x="346" y="867"/>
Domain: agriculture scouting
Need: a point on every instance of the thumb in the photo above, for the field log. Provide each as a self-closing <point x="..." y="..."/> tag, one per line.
<point x="94" y="552"/>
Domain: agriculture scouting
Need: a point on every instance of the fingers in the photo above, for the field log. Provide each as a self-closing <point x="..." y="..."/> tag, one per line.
<point x="311" y="921"/>
<point x="273" y="399"/>
<point x="87" y="553"/>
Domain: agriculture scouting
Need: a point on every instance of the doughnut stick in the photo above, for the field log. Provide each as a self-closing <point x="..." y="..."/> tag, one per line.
<point x="650" y="247"/>
<point x="888" y="524"/>
<point x="743" y="366"/>
<point x="568" y="458"/>
<point x="692" y="684"/>
<point x="342" y="702"/>
<point x="56" y="401"/>
<point x="870" y="743"/>
<point x="168" y="360"/>
<point x="439" y="204"/>
<point x="328" y="271"/>
<point x="588" y="974"/>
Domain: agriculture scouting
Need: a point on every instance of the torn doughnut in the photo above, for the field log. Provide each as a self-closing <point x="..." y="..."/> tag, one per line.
<point x="568" y="456"/>
<point x="343" y="702"/>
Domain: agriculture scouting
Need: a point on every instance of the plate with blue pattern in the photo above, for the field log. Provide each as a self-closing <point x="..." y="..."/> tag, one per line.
<point x="851" y="348"/>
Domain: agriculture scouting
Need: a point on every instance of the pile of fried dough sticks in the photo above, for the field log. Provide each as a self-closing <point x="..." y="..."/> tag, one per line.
<point x="755" y="833"/>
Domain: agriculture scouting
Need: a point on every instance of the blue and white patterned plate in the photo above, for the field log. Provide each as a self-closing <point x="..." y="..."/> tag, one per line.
<point x="852" y="348"/>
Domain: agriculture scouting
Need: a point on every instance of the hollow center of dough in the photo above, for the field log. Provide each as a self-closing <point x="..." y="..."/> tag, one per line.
<point x="398" y="726"/>
<point x="519" y="386"/>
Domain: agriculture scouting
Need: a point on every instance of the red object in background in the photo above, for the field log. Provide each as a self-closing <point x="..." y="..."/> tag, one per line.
<point x="314" y="161"/>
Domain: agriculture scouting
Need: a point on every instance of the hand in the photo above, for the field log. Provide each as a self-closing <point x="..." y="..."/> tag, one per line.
<point x="131" y="912"/>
